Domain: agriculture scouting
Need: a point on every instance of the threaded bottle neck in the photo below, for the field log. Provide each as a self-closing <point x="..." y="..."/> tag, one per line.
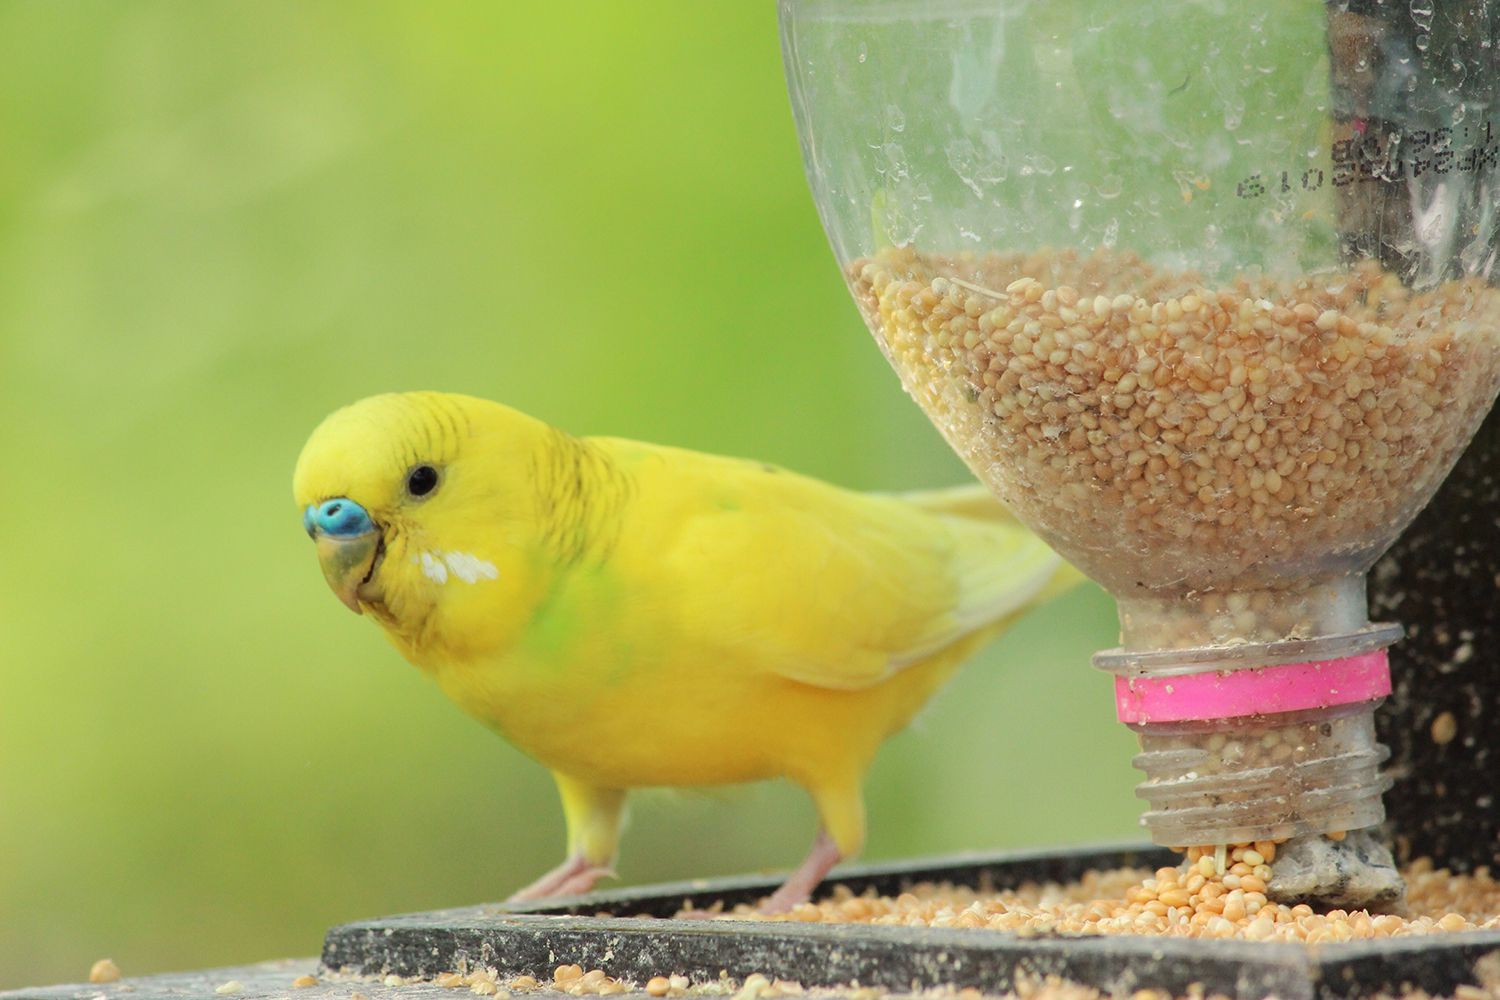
<point x="1274" y="777"/>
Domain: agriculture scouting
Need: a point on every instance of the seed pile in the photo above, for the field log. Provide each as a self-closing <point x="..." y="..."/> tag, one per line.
<point x="574" y="981"/>
<point x="1210" y="896"/>
<point x="1211" y="435"/>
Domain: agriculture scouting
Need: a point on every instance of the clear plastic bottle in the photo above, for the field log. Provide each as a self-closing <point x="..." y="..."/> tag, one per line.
<point x="1204" y="293"/>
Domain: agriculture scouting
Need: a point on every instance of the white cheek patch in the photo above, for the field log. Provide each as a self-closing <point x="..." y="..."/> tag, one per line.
<point x="432" y="568"/>
<point x="437" y="566"/>
<point x="470" y="569"/>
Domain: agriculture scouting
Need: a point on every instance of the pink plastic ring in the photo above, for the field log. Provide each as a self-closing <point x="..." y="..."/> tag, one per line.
<point x="1231" y="694"/>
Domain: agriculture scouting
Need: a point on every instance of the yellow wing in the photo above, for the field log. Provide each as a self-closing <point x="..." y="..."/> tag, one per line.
<point x="826" y="586"/>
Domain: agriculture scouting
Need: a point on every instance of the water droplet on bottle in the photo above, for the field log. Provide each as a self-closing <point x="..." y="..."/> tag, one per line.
<point x="900" y="225"/>
<point x="895" y="118"/>
<point x="1422" y="42"/>
<point x="864" y="52"/>
<point x="892" y="165"/>
<point x="1110" y="186"/>
<point x="1037" y="163"/>
<point x="976" y="168"/>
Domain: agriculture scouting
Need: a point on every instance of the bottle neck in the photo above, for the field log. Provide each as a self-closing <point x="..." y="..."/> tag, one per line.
<point x="1274" y="778"/>
<point x="1229" y="656"/>
<point x="1207" y="619"/>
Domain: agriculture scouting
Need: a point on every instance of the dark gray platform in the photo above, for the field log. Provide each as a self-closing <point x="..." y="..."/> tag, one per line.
<point x="635" y="943"/>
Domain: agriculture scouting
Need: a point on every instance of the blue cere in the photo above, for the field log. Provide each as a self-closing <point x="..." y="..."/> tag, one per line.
<point x="339" y="517"/>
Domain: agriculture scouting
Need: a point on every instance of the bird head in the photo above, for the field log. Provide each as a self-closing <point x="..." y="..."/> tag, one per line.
<point x="415" y="502"/>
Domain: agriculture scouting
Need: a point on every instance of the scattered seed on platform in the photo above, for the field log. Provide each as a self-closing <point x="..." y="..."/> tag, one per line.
<point x="303" y="981"/>
<point x="104" y="971"/>
<point x="753" y="987"/>
<point x="482" y="982"/>
<point x="1028" y="987"/>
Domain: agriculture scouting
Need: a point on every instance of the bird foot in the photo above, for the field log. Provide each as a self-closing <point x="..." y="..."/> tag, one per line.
<point x="573" y="877"/>
<point x="799" y="886"/>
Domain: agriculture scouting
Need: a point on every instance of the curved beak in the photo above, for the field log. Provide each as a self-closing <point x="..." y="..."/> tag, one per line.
<point x="349" y="546"/>
<point x="348" y="563"/>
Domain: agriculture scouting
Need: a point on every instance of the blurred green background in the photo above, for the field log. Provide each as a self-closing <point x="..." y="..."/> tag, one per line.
<point x="218" y="222"/>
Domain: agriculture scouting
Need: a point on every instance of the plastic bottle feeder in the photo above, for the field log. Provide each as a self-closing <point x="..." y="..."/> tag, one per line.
<point x="1203" y="293"/>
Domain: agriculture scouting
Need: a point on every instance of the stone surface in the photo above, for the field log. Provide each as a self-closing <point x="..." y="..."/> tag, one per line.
<point x="1442" y="722"/>
<point x="1356" y="873"/>
<point x="266" y="979"/>
<point x="263" y="981"/>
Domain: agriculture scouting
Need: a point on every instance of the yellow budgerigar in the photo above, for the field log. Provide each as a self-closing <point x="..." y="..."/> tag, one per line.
<point x="696" y="620"/>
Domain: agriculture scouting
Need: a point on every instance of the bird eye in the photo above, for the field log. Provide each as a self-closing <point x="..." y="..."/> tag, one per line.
<point x="421" y="480"/>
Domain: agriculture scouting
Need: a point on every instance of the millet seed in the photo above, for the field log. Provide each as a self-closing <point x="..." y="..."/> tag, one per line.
<point x="1197" y="899"/>
<point x="1222" y="438"/>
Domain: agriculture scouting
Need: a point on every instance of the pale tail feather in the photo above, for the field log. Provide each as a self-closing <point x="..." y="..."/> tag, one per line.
<point x="976" y="502"/>
<point x="971" y="501"/>
<point x="1003" y="571"/>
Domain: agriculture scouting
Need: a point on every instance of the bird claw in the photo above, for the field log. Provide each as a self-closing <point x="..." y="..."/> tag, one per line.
<point x="573" y="877"/>
<point x="799" y="886"/>
<point x="584" y="881"/>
